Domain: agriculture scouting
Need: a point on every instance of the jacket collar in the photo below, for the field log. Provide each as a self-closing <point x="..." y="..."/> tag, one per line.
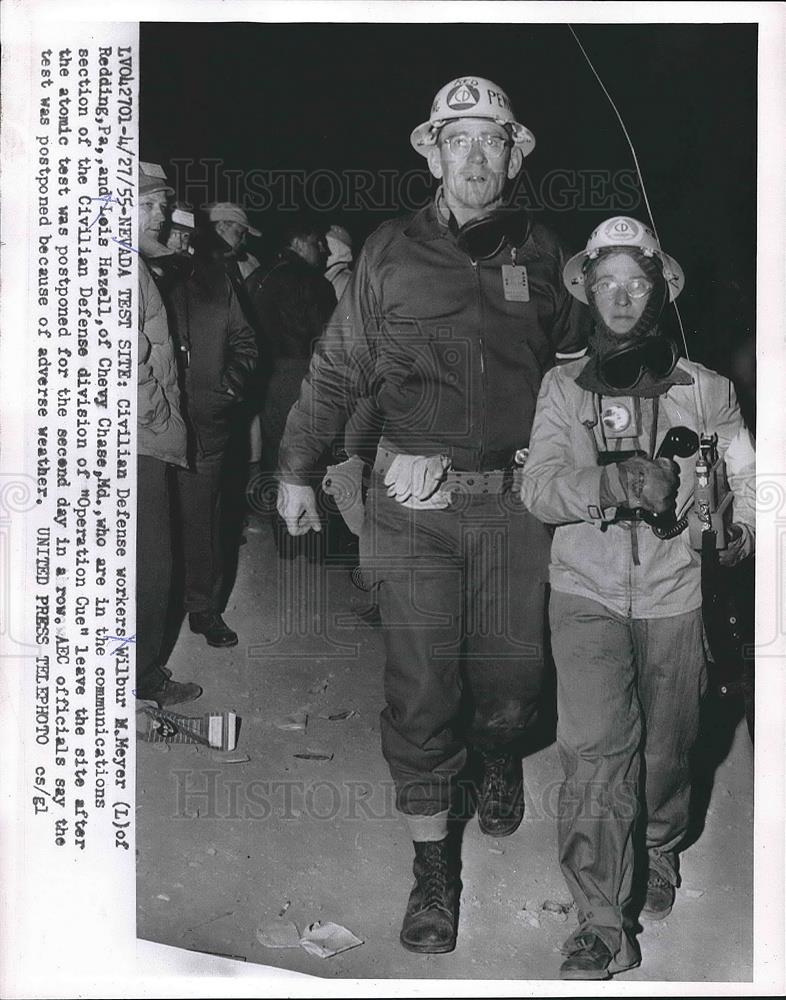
<point x="588" y="412"/>
<point x="428" y="224"/>
<point x="432" y="222"/>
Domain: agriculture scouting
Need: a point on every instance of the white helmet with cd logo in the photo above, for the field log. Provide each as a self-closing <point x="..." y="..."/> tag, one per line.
<point x="471" y="97"/>
<point x="621" y="231"/>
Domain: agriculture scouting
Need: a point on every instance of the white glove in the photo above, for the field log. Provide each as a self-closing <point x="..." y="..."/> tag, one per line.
<point x="414" y="479"/>
<point x="298" y="507"/>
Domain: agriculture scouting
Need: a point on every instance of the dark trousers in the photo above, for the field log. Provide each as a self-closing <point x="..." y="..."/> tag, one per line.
<point x="628" y="695"/>
<point x="153" y="567"/>
<point x="461" y="597"/>
<point x="199" y="494"/>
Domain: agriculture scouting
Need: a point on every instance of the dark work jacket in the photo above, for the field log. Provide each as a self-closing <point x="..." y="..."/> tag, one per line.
<point x="292" y="302"/>
<point x="425" y="332"/>
<point x="218" y="352"/>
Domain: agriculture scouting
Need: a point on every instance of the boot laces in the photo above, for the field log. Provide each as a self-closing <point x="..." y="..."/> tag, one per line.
<point x="493" y="776"/>
<point x="435" y="880"/>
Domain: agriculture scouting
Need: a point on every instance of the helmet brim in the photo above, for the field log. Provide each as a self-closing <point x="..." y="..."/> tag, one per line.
<point x="573" y="274"/>
<point x="425" y="135"/>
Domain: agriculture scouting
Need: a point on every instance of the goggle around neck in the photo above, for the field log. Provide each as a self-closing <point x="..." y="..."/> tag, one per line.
<point x="624" y="368"/>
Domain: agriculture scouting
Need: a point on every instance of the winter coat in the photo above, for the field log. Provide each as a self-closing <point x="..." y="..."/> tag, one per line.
<point x="161" y="431"/>
<point x="292" y="301"/>
<point x="218" y="351"/>
<point x="628" y="569"/>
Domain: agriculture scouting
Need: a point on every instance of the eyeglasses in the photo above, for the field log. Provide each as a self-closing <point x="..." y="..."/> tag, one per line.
<point x="461" y="143"/>
<point x="636" y="288"/>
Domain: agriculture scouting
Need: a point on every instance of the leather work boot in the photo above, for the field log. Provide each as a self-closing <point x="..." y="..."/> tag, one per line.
<point x="212" y="626"/>
<point x="660" y="897"/>
<point x="170" y="692"/>
<point x="501" y="793"/>
<point x="432" y="911"/>
<point x="589" y="958"/>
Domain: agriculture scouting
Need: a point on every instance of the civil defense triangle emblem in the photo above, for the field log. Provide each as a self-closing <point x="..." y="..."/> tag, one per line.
<point x="463" y="97"/>
<point x="622" y="229"/>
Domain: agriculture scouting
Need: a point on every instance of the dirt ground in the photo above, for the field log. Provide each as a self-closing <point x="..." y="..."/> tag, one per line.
<point x="225" y="846"/>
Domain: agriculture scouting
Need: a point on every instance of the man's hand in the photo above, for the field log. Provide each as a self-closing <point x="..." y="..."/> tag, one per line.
<point x="297" y="505"/>
<point x="738" y="547"/>
<point x="415" y="477"/>
<point x="650" y="484"/>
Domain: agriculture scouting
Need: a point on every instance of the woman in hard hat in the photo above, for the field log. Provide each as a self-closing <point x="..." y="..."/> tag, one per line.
<point x="626" y="617"/>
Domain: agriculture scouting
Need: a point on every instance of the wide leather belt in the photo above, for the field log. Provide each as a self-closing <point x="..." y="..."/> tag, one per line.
<point x="488" y="482"/>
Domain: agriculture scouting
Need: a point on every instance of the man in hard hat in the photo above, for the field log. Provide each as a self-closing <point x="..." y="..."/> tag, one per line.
<point x="612" y="462"/>
<point x="450" y="320"/>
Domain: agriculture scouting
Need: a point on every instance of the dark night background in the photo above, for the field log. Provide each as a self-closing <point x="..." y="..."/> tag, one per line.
<point x="344" y="97"/>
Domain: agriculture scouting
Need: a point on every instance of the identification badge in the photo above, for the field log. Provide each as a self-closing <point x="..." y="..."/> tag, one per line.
<point x="515" y="283"/>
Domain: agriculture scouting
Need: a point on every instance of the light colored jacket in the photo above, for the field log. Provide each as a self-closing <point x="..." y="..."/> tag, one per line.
<point x="628" y="569"/>
<point x="338" y="270"/>
<point x="161" y="430"/>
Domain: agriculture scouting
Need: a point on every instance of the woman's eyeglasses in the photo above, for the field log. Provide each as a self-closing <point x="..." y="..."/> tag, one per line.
<point x="636" y="288"/>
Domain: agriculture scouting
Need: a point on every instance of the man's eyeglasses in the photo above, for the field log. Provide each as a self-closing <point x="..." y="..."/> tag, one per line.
<point x="461" y="143"/>
<point x="636" y="288"/>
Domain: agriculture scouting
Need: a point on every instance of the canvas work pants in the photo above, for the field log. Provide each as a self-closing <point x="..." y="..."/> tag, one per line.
<point x="628" y="696"/>
<point x="462" y="602"/>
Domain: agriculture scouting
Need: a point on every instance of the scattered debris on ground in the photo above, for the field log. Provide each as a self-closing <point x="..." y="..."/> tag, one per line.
<point x="327" y="939"/>
<point x="278" y="934"/>
<point x="555" y="910"/>
<point x="296" y="722"/>
<point x="314" y="753"/>
<point x="323" y="940"/>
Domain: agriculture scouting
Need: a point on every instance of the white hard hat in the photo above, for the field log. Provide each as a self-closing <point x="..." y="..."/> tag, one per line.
<point x="227" y="211"/>
<point x="621" y="231"/>
<point x="471" y="97"/>
<point x="182" y="218"/>
<point x="339" y="233"/>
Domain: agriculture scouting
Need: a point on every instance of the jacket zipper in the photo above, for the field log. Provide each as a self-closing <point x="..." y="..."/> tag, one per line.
<point x="481" y="351"/>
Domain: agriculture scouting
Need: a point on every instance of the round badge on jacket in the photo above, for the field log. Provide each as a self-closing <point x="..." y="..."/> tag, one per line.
<point x="616" y="417"/>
